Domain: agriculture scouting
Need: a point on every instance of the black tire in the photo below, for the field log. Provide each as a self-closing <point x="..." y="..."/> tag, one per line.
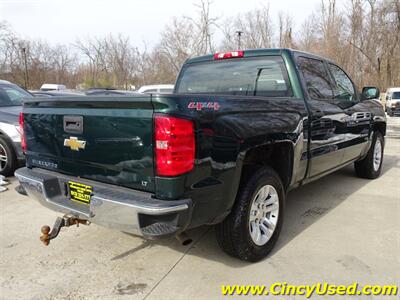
<point x="8" y="167"/>
<point x="233" y="233"/>
<point x="365" y="168"/>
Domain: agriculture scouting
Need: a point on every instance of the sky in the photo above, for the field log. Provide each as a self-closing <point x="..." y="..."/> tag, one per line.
<point x="64" y="21"/>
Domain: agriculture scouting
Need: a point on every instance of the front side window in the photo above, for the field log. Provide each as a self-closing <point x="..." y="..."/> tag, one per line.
<point x="254" y="76"/>
<point x="316" y="77"/>
<point x="344" y="87"/>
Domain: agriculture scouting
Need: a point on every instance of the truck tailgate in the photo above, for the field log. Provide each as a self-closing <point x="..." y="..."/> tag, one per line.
<point x="108" y="139"/>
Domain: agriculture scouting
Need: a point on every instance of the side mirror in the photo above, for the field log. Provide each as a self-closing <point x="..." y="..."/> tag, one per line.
<point x="370" y="92"/>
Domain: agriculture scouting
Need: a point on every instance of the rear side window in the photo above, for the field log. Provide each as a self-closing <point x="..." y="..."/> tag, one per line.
<point x="258" y="76"/>
<point x="316" y="77"/>
<point x="344" y="87"/>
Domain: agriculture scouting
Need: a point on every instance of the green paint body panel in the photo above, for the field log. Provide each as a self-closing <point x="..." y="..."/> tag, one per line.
<point x="118" y="135"/>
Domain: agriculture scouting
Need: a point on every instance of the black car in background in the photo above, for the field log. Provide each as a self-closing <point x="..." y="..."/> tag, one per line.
<point x="11" y="155"/>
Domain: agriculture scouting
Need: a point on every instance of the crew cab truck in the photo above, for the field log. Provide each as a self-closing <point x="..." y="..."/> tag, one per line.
<point x="241" y="129"/>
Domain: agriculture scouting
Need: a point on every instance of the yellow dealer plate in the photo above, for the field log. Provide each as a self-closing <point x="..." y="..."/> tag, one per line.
<point x="80" y="192"/>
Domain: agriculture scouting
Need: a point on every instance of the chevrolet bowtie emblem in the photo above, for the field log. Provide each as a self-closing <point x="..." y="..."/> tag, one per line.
<point x="74" y="143"/>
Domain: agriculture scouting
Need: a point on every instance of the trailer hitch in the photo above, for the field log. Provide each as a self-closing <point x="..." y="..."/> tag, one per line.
<point x="65" y="221"/>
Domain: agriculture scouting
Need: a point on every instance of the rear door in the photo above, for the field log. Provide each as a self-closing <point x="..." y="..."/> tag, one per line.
<point x="326" y="127"/>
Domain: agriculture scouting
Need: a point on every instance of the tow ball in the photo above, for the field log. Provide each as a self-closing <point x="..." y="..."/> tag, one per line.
<point x="65" y="221"/>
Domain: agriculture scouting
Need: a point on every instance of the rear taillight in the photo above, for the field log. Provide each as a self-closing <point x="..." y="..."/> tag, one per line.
<point x="174" y="145"/>
<point x="22" y="132"/>
<point x="231" y="54"/>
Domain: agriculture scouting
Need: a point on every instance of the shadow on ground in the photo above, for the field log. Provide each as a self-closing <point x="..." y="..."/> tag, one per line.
<point x="304" y="206"/>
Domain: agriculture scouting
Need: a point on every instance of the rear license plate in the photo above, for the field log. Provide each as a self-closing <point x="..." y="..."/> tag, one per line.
<point x="80" y="192"/>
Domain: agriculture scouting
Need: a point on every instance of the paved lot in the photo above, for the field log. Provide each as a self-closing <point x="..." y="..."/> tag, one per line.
<point x="340" y="229"/>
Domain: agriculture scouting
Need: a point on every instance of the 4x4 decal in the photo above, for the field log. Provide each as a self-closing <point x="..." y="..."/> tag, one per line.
<point x="201" y="105"/>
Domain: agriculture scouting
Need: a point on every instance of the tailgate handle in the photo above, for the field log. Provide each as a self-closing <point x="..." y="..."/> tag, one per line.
<point x="73" y="124"/>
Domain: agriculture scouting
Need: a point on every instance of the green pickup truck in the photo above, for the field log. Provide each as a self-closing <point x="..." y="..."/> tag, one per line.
<point x="241" y="129"/>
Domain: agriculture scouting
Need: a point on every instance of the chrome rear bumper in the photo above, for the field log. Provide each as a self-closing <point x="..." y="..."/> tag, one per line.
<point x="110" y="206"/>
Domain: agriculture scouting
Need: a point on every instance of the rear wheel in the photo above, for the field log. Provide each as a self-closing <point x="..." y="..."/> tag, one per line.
<point x="8" y="159"/>
<point x="253" y="226"/>
<point x="370" y="167"/>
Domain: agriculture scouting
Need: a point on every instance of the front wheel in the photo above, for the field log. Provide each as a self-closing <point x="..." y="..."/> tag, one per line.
<point x="370" y="167"/>
<point x="253" y="226"/>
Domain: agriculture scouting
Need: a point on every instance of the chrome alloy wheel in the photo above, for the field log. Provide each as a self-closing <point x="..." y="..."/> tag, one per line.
<point x="3" y="157"/>
<point x="264" y="214"/>
<point x="377" y="154"/>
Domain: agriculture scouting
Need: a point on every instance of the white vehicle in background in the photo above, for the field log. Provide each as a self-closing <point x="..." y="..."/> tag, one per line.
<point x="393" y="101"/>
<point x="53" y="87"/>
<point x="156" y="89"/>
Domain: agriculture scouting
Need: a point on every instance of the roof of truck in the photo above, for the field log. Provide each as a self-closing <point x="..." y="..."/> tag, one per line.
<point x="259" y="52"/>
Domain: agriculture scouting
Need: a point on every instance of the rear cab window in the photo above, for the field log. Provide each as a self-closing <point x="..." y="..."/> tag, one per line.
<point x="251" y="76"/>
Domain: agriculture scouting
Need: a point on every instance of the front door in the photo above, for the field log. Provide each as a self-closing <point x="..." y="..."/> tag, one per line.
<point x="359" y="118"/>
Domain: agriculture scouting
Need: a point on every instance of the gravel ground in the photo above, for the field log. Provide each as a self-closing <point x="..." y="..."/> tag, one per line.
<point x="340" y="229"/>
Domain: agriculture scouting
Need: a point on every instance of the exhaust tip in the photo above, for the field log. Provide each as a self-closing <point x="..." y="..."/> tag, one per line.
<point x="187" y="242"/>
<point x="183" y="239"/>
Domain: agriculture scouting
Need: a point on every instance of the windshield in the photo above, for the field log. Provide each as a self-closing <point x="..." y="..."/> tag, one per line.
<point x="262" y="76"/>
<point x="396" y="95"/>
<point x="12" y="95"/>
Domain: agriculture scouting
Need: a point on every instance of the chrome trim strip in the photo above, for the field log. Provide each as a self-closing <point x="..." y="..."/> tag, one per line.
<point x="148" y="209"/>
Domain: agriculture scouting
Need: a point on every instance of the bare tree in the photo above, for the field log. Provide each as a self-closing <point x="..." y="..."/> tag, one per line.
<point x="285" y="23"/>
<point x="93" y="50"/>
<point x="186" y="37"/>
<point x="308" y="36"/>
<point x="204" y="25"/>
<point x="256" y="26"/>
<point x="178" y="42"/>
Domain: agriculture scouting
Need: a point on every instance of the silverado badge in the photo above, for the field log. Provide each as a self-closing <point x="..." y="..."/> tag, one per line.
<point x="74" y="143"/>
